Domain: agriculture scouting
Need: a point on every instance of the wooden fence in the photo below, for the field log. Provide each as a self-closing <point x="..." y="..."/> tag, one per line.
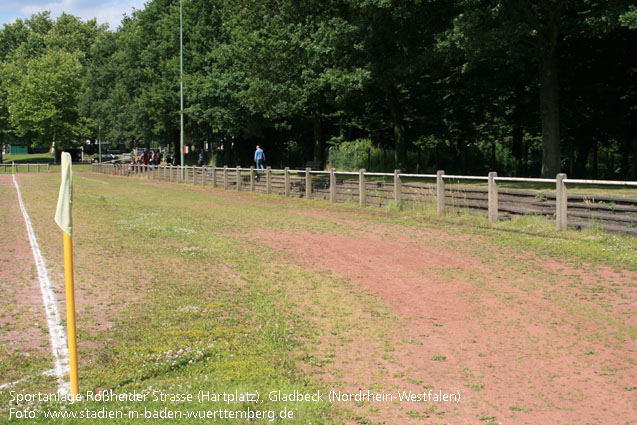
<point x="613" y="213"/>
<point x="24" y="168"/>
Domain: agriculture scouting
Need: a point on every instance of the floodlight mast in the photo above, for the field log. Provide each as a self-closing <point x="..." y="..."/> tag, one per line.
<point x="181" y="85"/>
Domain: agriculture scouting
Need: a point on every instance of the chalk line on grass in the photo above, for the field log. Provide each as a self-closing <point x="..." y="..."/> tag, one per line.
<point x="59" y="346"/>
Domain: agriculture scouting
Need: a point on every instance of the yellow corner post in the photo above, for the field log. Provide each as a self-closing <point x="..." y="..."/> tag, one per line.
<point x="63" y="218"/>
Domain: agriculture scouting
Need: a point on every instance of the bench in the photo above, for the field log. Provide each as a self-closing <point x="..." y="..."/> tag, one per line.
<point x="313" y="165"/>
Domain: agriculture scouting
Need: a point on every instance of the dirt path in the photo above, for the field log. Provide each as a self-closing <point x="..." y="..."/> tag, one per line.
<point x="524" y="339"/>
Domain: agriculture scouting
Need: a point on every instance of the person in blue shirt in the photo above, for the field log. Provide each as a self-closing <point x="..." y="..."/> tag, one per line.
<point x="259" y="157"/>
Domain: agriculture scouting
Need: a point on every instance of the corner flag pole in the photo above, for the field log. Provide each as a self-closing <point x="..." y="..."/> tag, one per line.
<point x="63" y="218"/>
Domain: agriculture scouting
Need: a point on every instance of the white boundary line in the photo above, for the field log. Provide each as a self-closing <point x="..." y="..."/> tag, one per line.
<point x="56" y="331"/>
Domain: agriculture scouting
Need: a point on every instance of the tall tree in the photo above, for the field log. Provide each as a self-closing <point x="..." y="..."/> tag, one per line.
<point x="398" y="39"/>
<point x="539" y="28"/>
<point x="43" y="102"/>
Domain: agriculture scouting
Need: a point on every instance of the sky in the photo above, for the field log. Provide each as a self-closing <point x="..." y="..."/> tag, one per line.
<point x="106" y="11"/>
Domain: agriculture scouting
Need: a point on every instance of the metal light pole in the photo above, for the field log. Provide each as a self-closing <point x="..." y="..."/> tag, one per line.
<point x="99" y="142"/>
<point x="181" y="84"/>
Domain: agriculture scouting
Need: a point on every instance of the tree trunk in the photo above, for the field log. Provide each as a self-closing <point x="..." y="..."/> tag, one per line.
<point x="227" y="151"/>
<point x="400" y="146"/>
<point x="318" y="133"/>
<point x="581" y="155"/>
<point x="550" y="111"/>
<point x="595" y="160"/>
<point x="525" y="155"/>
<point x="517" y="132"/>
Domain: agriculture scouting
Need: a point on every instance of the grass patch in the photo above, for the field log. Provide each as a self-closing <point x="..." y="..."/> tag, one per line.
<point x="192" y="311"/>
<point x="188" y="303"/>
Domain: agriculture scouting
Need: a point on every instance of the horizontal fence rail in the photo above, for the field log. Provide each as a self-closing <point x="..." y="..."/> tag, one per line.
<point x="25" y="168"/>
<point x="613" y="213"/>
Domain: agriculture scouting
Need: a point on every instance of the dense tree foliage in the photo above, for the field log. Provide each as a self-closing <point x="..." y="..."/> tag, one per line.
<point x="42" y="79"/>
<point x="519" y="87"/>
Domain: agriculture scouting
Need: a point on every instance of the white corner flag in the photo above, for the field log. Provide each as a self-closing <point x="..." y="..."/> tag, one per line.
<point x="65" y="198"/>
<point x="63" y="219"/>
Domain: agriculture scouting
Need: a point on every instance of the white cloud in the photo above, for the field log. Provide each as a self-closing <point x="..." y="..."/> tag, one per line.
<point x="108" y="11"/>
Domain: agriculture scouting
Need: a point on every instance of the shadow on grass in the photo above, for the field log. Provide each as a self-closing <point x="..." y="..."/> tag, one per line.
<point x="43" y="158"/>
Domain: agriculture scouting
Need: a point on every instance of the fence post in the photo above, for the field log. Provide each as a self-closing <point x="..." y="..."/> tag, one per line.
<point x="194" y="175"/>
<point x="38" y="168"/>
<point x="268" y="180"/>
<point x="214" y="176"/>
<point x="238" y="178"/>
<point x="286" y="182"/>
<point x="225" y="177"/>
<point x="308" y="184"/>
<point x="251" y="179"/>
<point x="440" y="193"/>
<point x="397" y="187"/>
<point x="204" y="177"/>
<point x="332" y="185"/>
<point x="561" y="202"/>
<point x="362" y="192"/>
<point x="493" y="197"/>
<point x="48" y="167"/>
<point x="28" y="167"/>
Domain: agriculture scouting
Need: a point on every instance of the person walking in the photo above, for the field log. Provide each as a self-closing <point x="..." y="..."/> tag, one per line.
<point x="259" y="157"/>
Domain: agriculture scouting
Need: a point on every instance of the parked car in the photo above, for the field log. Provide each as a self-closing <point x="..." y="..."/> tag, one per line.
<point x="106" y="157"/>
